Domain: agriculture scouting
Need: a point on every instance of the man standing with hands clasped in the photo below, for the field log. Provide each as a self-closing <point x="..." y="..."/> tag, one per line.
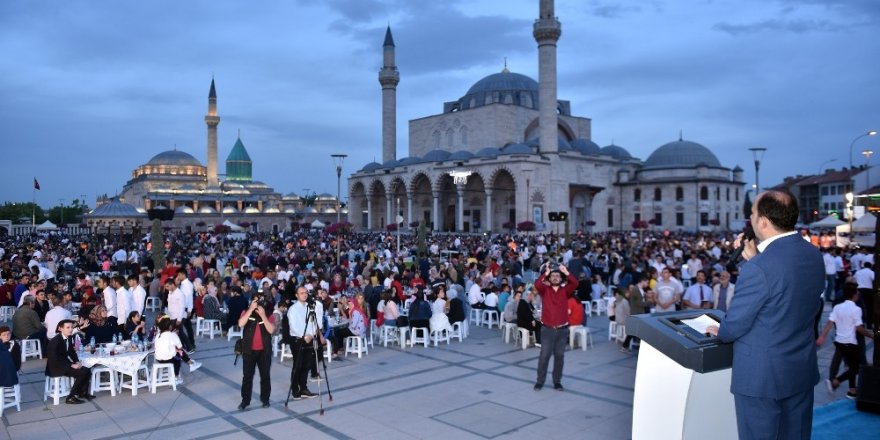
<point x="554" y="291"/>
<point x="770" y="323"/>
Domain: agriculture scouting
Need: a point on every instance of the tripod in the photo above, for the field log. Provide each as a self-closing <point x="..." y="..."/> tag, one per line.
<point x="299" y="360"/>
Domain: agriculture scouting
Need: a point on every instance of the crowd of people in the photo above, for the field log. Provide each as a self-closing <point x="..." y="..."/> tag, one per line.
<point x="101" y="285"/>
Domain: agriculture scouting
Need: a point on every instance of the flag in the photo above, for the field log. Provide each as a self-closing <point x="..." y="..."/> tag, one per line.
<point x="36" y="184"/>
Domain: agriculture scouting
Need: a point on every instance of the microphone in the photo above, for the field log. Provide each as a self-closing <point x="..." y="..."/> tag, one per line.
<point x="748" y="234"/>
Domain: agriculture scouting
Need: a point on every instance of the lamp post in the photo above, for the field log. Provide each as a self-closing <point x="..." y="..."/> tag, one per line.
<point x="851" y="209"/>
<point x="867" y="133"/>
<point x="62" y="204"/>
<point x="867" y="154"/>
<point x="757" y="154"/>
<point x="337" y="160"/>
<point x="821" y="167"/>
<point x="398" y="218"/>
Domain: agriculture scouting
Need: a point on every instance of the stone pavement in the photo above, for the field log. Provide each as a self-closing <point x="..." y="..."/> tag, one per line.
<point x="477" y="389"/>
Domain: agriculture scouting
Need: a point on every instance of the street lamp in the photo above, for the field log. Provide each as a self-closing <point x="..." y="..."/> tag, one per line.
<point x="868" y="133"/>
<point x="337" y="160"/>
<point x="867" y="154"/>
<point x="758" y="154"/>
<point x="851" y="208"/>
<point x="821" y="167"/>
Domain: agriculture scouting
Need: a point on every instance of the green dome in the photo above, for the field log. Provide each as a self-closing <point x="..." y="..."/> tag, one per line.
<point x="239" y="167"/>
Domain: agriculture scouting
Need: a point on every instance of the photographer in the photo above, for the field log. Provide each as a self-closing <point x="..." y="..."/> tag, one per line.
<point x="256" y="350"/>
<point x="303" y="336"/>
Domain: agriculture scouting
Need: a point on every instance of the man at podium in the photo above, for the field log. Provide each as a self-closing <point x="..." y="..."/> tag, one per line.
<point x="770" y="323"/>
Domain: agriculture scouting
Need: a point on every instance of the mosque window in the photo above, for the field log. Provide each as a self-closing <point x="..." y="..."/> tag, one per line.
<point x="704" y="219"/>
<point x="508" y="98"/>
<point x="526" y="100"/>
<point x="637" y="195"/>
<point x="728" y="193"/>
<point x="737" y="194"/>
<point x="436" y="136"/>
<point x="658" y="194"/>
<point x="610" y="217"/>
<point x="464" y="135"/>
<point x="704" y="193"/>
<point x="718" y="193"/>
<point x="679" y="194"/>
<point x="679" y="219"/>
<point x="449" y="137"/>
<point x="472" y="103"/>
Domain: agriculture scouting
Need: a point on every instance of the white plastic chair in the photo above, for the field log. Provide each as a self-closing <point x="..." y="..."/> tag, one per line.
<point x="210" y="327"/>
<point x="134" y="382"/>
<point x="418" y="335"/>
<point x="440" y="335"/>
<point x="162" y="375"/>
<point x="525" y="337"/>
<point x="154" y="303"/>
<point x="476" y="316"/>
<point x="56" y="388"/>
<point x="612" y="330"/>
<point x="579" y="332"/>
<point x="357" y="345"/>
<point x="489" y="317"/>
<point x="99" y="384"/>
<point x="508" y="331"/>
<point x="233" y="333"/>
<point x="31" y="348"/>
<point x="457" y="330"/>
<point x="9" y="397"/>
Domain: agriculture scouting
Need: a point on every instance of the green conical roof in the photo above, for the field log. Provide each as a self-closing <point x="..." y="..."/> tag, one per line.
<point x="238" y="153"/>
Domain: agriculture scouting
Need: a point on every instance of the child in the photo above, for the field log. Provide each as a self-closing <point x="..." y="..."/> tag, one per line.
<point x="169" y="349"/>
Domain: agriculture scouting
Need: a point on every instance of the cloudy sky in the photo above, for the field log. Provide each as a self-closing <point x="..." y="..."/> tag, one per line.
<point x="91" y="89"/>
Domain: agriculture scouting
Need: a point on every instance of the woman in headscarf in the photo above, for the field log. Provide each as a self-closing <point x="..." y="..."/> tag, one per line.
<point x="102" y="327"/>
<point x="211" y="304"/>
<point x="357" y="325"/>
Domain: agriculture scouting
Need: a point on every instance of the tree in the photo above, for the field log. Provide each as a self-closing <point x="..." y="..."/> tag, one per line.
<point x="21" y="212"/>
<point x="68" y="214"/>
<point x="309" y="200"/>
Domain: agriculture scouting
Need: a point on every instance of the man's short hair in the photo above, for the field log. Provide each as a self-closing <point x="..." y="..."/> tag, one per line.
<point x="62" y="322"/>
<point x="780" y="207"/>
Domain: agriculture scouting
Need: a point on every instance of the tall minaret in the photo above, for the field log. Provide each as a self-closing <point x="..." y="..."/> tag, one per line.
<point x="212" y="120"/>
<point x="388" y="78"/>
<point x="546" y="32"/>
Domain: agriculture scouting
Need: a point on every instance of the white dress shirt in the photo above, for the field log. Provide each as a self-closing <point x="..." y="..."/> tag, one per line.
<point x="176" y="305"/>
<point x="188" y="290"/>
<point x="296" y="319"/>
<point x="138" y="296"/>
<point x="53" y="317"/>
<point x="123" y="304"/>
<point x="846" y="316"/>
<point x="109" y="296"/>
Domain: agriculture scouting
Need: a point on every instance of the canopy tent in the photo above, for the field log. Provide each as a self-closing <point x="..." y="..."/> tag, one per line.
<point x="863" y="232"/>
<point x="317" y="224"/>
<point x="827" y="222"/>
<point x="47" y="226"/>
<point x="232" y="226"/>
<point x="866" y="223"/>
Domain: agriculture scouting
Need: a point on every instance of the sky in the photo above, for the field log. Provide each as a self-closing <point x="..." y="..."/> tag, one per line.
<point x="91" y="89"/>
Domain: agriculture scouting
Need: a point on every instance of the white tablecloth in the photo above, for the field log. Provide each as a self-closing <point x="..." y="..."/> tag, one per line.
<point x="127" y="362"/>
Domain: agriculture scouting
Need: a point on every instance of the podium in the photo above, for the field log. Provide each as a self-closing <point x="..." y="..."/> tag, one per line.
<point x="682" y="388"/>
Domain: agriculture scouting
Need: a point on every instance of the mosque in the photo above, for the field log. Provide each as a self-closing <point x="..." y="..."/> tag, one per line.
<point x="508" y="151"/>
<point x="200" y="199"/>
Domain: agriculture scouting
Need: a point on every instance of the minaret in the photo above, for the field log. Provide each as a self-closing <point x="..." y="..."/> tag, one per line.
<point x="546" y="32"/>
<point x="212" y="120"/>
<point x="388" y="78"/>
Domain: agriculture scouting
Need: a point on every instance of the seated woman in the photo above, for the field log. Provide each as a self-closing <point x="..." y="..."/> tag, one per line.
<point x="390" y="311"/>
<point x="525" y="317"/>
<point x="357" y="325"/>
<point x="419" y="311"/>
<point x="343" y="306"/>
<point x="101" y="326"/>
<point x="169" y="349"/>
<point x="511" y="308"/>
<point x="134" y="326"/>
<point x="211" y="305"/>
<point x="439" y="321"/>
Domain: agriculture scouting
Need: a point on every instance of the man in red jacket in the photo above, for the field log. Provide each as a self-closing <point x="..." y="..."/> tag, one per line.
<point x="555" y="292"/>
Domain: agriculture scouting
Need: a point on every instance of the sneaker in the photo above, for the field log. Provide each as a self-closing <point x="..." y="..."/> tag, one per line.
<point x="180" y="381"/>
<point x="850" y="395"/>
<point x="297" y="397"/>
<point x="265" y="404"/>
<point x="242" y="406"/>
<point x="538" y="345"/>
<point x="830" y="386"/>
<point x="538" y="386"/>
<point x="625" y="350"/>
<point x="308" y="394"/>
<point x="558" y="387"/>
<point x="191" y="350"/>
<point x="195" y="365"/>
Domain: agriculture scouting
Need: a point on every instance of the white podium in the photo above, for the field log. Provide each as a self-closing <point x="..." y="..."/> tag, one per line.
<point x="682" y="388"/>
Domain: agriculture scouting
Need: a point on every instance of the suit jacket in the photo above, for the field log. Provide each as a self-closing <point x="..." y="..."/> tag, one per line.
<point x="716" y="292"/>
<point x="60" y="356"/>
<point x="636" y="301"/>
<point x="770" y="321"/>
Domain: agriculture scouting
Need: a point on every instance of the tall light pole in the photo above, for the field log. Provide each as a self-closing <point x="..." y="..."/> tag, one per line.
<point x="867" y="133"/>
<point x="337" y="160"/>
<point x="62" y="206"/>
<point x="822" y="167"/>
<point x="397" y="219"/>
<point x="758" y="154"/>
<point x="867" y="154"/>
<point x="851" y="205"/>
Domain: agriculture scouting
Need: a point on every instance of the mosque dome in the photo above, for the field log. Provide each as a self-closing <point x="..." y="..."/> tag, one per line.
<point x="115" y="208"/>
<point x="372" y="166"/>
<point x="174" y="158"/>
<point x="681" y="154"/>
<point x="505" y="87"/>
<point x="585" y="146"/>
<point x="461" y="155"/>
<point x="488" y="152"/>
<point x="436" y="156"/>
<point x="615" y="151"/>
<point x="517" y="149"/>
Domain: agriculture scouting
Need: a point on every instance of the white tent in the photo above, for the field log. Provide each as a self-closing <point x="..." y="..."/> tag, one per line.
<point x="232" y="226"/>
<point x="317" y="224"/>
<point x="863" y="232"/>
<point x="47" y="226"/>
<point x="866" y="223"/>
<point x="827" y="222"/>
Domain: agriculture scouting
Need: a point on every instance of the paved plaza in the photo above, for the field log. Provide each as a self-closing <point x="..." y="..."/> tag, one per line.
<point x="477" y="389"/>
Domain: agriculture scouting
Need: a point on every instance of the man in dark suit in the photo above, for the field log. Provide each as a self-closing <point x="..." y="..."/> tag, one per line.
<point x="770" y="323"/>
<point x="63" y="361"/>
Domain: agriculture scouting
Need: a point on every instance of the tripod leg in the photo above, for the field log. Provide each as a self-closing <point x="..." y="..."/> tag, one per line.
<point x="326" y="380"/>
<point x="320" y="396"/>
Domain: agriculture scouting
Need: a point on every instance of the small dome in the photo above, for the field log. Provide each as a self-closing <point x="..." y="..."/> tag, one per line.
<point x="616" y="152"/>
<point x="409" y="161"/>
<point x="115" y="208"/>
<point x="390" y="163"/>
<point x="681" y="154"/>
<point x="488" y="152"/>
<point x="372" y="166"/>
<point x="229" y="210"/>
<point x="272" y="210"/>
<point x="585" y="146"/>
<point x="436" y="156"/>
<point x="174" y="157"/>
<point x="207" y="210"/>
<point x="183" y="210"/>
<point x="737" y="169"/>
<point x="461" y="155"/>
<point x="251" y="210"/>
<point x="289" y="211"/>
<point x="517" y="149"/>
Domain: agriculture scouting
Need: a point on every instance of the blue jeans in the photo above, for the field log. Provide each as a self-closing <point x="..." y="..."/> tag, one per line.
<point x="830" y="287"/>
<point x="553" y="342"/>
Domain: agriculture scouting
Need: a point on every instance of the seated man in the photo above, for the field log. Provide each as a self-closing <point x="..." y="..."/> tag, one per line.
<point x="63" y="361"/>
<point x="26" y="323"/>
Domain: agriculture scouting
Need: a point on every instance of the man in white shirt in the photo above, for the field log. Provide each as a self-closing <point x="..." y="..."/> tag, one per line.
<point x="108" y="294"/>
<point x="698" y="295"/>
<point x="847" y="318"/>
<point x="188" y="291"/>
<point x="830" y="275"/>
<point x="302" y="336"/>
<point x="491" y="299"/>
<point x="123" y="300"/>
<point x="55" y="315"/>
<point x="176" y="304"/>
<point x="138" y="294"/>
<point x="694" y="265"/>
<point x="864" y="278"/>
<point x="476" y="297"/>
<point x="668" y="291"/>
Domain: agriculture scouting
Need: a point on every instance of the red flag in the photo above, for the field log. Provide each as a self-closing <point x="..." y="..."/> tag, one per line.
<point x="36" y="184"/>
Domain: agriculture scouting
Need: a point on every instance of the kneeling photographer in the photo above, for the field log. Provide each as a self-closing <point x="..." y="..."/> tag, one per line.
<point x="305" y="320"/>
<point x="256" y="350"/>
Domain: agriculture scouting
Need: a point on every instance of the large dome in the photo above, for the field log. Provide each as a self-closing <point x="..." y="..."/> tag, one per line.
<point x="681" y="154"/>
<point x="174" y="157"/>
<point x="615" y="151"/>
<point x="505" y="87"/>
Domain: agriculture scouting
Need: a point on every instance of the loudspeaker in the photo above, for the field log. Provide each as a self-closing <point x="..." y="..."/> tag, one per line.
<point x="868" y="391"/>
<point x="563" y="216"/>
<point x="553" y="216"/>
